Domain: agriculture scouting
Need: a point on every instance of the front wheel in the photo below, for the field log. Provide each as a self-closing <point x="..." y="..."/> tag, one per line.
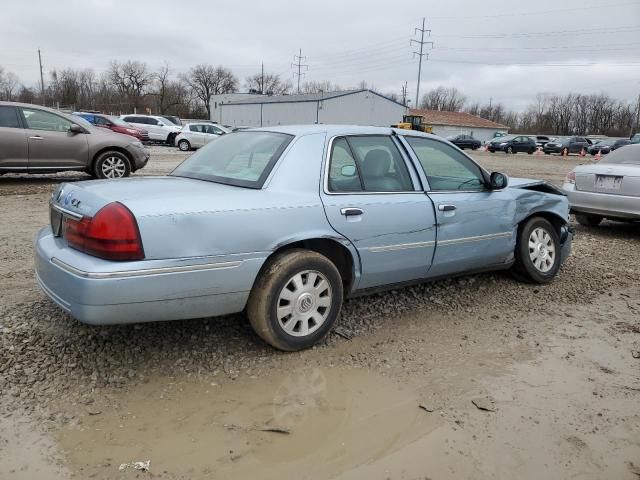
<point x="295" y="300"/>
<point x="537" y="251"/>
<point x="112" y="165"/>
<point x="588" y="220"/>
<point x="184" y="145"/>
<point x="509" y="149"/>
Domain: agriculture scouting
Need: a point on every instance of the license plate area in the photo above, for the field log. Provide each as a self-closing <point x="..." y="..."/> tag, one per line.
<point x="55" y="218"/>
<point x="608" y="182"/>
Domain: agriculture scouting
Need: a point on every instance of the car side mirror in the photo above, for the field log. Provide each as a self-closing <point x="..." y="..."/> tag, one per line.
<point x="348" y="171"/>
<point x="498" y="181"/>
<point x="75" y="128"/>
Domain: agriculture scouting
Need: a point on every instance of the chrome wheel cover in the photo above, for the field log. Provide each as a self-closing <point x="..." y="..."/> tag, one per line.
<point x="304" y="303"/>
<point x="113" y="167"/>
<point x="542" y="250"/>
<point x="183" y="145"/>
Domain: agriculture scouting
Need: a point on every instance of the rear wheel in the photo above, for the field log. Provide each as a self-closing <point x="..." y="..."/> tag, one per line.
<point x="112" y="165"/>
<point x="537" y="251"/>
<point x="588" y="220"/>
<point x="184" y="145"/>
<point x="295" y="300"/>
<point x="509" y="149"/>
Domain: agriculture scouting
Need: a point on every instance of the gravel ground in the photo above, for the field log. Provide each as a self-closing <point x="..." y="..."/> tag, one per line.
<point x="556" y="363"/>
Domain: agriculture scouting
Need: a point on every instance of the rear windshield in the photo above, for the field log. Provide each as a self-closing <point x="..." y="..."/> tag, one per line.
<point x="244" y="159"/>
<point x="628" y="155"/>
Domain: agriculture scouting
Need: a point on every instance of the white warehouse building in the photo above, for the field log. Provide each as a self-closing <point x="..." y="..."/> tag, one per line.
<point x="357" y="107"/>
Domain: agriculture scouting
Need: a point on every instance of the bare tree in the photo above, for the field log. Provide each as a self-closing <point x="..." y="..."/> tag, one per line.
<point x="443" y="99"/>
<point x="9" y="83"/>
<point x="269" y="84"/>
<point x="317" y="87"/>
<point x="130" y="79"/>
<point x="207" y="80"/>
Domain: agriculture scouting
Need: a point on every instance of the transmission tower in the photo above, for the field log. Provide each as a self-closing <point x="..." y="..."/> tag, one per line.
<point x="420" y="55"/>
<point x="299" y="65"/>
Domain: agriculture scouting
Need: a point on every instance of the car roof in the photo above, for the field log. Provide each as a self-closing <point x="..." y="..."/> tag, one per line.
<point x="341" y="130"/>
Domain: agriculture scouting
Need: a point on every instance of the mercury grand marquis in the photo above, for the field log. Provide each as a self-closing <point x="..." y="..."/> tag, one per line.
<point x="285" y="222"/>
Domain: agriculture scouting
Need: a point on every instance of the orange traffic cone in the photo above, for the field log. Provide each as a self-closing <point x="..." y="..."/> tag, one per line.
<point x="583" y="152"/>
<point x="539" y="151"/>
<point x="598" y="156"/>
<point x="565" y="152"/>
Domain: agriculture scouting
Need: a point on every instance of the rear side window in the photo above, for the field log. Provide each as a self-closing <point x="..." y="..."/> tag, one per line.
<point x="196" y="128"/>
<point x="379" y="167"/>
<point x="9" y="117"/>
<point x="446" y="168"/>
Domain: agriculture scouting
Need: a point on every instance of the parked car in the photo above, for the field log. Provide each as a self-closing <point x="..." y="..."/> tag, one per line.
<point x="608" y="189"/>
<point x="36" y="139"/>
<point x="465" y="141"/>
<point x="265" y="220"/>
<point x="602" y="146"/>
<point x="160" y="129"/>
<point x="196" y="135"/>
<point x="513" y="144"/>
<point x="567" y="145"/>
<point x="541" y="140"/>
<point x="620" y="143"/>
<point x="114" y="124"/>
<point x="635" y="138"/>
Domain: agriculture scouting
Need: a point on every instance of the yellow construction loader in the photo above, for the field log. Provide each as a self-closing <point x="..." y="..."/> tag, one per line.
<point x="413" y="122"/>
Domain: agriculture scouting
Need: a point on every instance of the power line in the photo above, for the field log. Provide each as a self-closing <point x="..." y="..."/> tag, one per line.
<point x="420" y="54"/>
<point x="299" y="59"/>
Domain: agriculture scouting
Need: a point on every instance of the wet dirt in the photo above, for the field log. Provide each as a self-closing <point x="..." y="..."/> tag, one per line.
<point x="207" y="399"/>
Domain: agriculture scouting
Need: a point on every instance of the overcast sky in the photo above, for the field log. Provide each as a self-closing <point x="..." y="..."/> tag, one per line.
<point x="504" y="50"/>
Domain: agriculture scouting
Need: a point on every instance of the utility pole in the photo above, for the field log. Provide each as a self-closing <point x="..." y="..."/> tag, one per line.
<point x="420" y="54"/>
<point x="262" y="80"/>
<point x="404" y="94"/>
<point x="41" y="76"/>
<point x="298" y="63"/>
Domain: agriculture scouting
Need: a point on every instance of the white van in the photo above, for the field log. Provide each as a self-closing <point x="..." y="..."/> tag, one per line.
<point x="160" y="129"/>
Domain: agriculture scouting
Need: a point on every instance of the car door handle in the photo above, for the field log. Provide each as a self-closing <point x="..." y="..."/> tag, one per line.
<point x="446" y="208"/>
<point x="351" y="211"/>
<point x="36" y="137"/>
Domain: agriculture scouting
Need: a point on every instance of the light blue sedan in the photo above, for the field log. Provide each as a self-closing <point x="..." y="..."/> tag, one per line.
<point x="284" y="222"/>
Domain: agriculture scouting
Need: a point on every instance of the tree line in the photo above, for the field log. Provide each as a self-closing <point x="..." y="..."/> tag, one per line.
<point x="549" y="113"/>
<point x="132" y="85"/>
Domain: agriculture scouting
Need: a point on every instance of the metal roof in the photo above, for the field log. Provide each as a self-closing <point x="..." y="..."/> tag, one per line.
<point x="304" y="97"/>
<point x="456" y="119"/>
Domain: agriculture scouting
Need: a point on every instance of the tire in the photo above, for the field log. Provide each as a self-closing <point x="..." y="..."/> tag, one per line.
<point x="509" y="149"/>
<point x="530" y="152"/>
<point x="588" y="220"/>
<point x="287" y="270"/>
<point x="537" y="251"/>
<point x="111" y="165"/>
<point x="475" y="147"/>
<point x="547" y="153"/>
<point x="184" y="145"/>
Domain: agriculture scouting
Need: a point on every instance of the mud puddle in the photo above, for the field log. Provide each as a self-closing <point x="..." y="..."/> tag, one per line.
<point x="310" y="423"/>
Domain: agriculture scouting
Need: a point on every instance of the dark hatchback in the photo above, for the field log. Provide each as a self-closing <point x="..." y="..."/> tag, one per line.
<point x="602" y="146"/>
<point x="465" y="141"/>
<point x="513" y="144"/>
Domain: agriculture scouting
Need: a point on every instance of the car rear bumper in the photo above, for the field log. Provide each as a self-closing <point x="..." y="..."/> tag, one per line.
<point x="90" y="290"/>
<point x="606" y="205"/>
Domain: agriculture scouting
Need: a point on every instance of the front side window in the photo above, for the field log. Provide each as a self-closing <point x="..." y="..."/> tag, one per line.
<point x="41" y="120"/>
<point x="446" y="168"/>
<point x="9" y="117"/>
<point x="243" y="159"/>
<point x="379" y="165"/>
<point x="100" y="121"/>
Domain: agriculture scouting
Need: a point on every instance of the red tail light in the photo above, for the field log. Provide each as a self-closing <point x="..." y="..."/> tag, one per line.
<point x="111" y="234"/>
<point x="571" y="177"/>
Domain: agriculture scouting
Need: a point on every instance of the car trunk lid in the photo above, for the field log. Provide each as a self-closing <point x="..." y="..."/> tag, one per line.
<point x="609" y="178"/>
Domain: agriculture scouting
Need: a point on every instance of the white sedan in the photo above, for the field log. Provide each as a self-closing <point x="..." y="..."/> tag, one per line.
<point x="196" y="135"/>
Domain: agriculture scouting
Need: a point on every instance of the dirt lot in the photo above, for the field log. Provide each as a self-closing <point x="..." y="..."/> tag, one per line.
<point x="475" y="378"/>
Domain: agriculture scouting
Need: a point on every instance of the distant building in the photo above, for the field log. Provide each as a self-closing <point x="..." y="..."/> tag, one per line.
<point x="446" y="124"/>
<point x="357" y="107"/>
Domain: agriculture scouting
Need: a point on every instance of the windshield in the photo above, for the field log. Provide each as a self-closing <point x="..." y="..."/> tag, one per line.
<point x="452" y="137"/>
<point x="243" y="159"/>
<point x="174" y="120"/>
<point x="119" y="122"/>
<point x="506" y="138"/>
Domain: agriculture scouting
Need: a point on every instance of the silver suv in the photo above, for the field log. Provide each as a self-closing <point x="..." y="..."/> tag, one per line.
<point x="160" y="129"/>
<point x="36" y="139"/>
